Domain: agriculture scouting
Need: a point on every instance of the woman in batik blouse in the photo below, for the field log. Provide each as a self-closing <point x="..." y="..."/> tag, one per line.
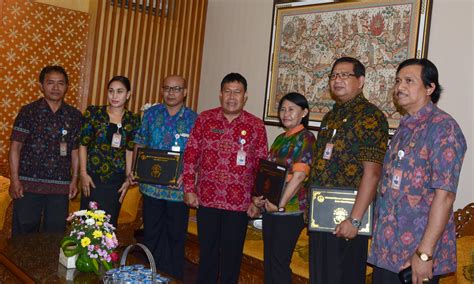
<point x="283" y="222"/>
<point x="105" y="153"/>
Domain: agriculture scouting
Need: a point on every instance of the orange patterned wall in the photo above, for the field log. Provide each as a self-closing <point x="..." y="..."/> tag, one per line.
<point x="33" y="35"/>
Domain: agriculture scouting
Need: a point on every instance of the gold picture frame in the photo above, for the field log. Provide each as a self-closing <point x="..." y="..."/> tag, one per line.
<point x="307" y="39"/>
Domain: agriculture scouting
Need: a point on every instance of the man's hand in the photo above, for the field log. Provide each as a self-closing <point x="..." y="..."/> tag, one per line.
<point x="191" y="200"/>
<point x="345" y="230"/>
<point x="86" y="183"/>
<point x="16" y="189"/>
<point x="123" y="190"/>
<point x="421" y="270"/>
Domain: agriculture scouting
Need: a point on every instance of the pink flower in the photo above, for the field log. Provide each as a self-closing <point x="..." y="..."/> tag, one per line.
<point x="93" y="205"/>
<point x="114" y="256"/>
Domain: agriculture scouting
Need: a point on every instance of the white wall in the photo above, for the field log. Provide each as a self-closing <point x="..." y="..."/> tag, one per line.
<point x="237" y="39"/>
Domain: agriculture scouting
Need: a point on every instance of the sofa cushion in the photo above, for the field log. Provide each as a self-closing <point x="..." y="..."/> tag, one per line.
<point x="4" y="199"/>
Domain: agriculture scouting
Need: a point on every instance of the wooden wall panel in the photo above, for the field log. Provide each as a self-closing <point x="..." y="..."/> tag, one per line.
<point x="146" y="45"/>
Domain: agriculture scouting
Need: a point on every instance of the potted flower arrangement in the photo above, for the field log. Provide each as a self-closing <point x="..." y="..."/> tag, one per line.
<point x="92" y="238"/>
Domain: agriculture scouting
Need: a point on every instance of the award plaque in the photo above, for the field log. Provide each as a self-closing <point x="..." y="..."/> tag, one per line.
<point x="270" y="181"/>
<point x="157" y="166"/>
<point x="330" y="206"/>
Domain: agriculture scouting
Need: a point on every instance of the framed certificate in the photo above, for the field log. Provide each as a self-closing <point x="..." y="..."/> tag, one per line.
<point x="330" y="206"/>
<point x="157" y="166"/>
<point x="270" y="181"/>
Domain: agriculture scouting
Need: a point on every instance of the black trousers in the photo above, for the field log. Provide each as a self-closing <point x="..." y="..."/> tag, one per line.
<point x="280" y="234"/>
<point x="165" y="228"/>
<point x="335" y="260"/>
<point x="107" y="196"/>
<point x="383" y="276"/>
<point x="40" y="213"/>
<point x="221" y="235"/>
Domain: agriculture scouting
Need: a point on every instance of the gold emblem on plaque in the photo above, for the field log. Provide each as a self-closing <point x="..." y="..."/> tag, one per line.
<point x="156" y="171"/>
<point x="340" y="214"/>
<point x="267" y="185"/>
<point x="320" y="198"/>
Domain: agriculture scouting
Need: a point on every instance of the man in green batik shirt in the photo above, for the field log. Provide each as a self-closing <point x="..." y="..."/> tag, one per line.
<point x="350" y="149"/>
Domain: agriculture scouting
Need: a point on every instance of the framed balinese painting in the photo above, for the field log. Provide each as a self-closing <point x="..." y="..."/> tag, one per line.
<point x="307" y="39"/>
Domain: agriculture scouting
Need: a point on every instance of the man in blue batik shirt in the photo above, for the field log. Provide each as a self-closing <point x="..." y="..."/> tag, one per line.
<point x="165" y="216"/>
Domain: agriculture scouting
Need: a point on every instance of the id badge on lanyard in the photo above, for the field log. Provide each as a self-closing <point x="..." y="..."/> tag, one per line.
<point x="117" y="137"/>
<point x="241" y="155"/>
<point x="329" y="147"/>
<point x="397" y="172"/>
<point x="63" y="143"/>
<point x="176" y="147"/>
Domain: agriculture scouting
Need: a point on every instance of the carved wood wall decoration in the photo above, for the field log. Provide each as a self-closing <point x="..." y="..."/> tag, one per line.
<point x="464" y="220"/>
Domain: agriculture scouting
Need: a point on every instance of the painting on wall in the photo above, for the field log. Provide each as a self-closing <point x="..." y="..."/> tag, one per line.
<point x="307" y="39"/>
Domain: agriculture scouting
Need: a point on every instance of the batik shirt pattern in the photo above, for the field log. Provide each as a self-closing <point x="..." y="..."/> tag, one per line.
<point x="360" y="135"/>
<point x="295" y="151"/>
<point x="42" y="169"/>
<point x="103" y="160"/>
<point x="162" y="131"/>
<point x="428" y="148"/>
<point x="210" y="161"/>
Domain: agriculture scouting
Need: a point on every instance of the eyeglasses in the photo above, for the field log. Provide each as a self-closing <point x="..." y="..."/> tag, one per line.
<point x="175" y="89"/>
<point x="343" y="76"/>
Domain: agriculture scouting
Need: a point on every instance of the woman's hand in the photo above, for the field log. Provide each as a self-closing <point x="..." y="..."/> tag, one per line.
<point x="131" y="179"/>
<point x="86" y="184"/>
<point x="270" y="207"/>
<point x="123" y="190"/>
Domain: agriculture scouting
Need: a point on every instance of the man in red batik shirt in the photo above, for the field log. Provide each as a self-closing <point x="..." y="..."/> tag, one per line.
<point x="220" y="164"/>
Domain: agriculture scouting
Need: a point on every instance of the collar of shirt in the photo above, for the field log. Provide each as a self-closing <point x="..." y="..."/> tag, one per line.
<point x="178" y="115"/>
<point x="350" y="103"/>
<point x="411" y="121"/>
<point x="221" y="116"/>
<point x="294" y="130"/>
<point x="45" y="106"/>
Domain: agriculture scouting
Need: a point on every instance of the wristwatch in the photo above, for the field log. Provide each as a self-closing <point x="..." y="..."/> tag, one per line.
<point x="423" y="256"/>
<point x="356" y="223"/>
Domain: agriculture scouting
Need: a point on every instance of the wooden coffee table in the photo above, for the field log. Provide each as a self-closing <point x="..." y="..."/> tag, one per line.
<point x="34" y="258"/>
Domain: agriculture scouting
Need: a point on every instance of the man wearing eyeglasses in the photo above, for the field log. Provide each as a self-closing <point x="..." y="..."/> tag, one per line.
<point x="220" y="165"/>
<point x="165" y="217"/>
<point x="350" y="149"/>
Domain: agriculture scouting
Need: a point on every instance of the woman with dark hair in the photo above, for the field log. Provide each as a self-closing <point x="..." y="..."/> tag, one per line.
<point x="105" y="153"/>
<point x="283" y="222"/>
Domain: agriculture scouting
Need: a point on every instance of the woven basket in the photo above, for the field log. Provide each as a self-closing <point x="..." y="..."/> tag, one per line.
<point x="108" y="279"/>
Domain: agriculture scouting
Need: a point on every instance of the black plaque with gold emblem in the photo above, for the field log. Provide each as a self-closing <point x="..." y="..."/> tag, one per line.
<point x="157" y="166"/>
<point x="330" y="206"/>
<point x="270" y="181"/>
